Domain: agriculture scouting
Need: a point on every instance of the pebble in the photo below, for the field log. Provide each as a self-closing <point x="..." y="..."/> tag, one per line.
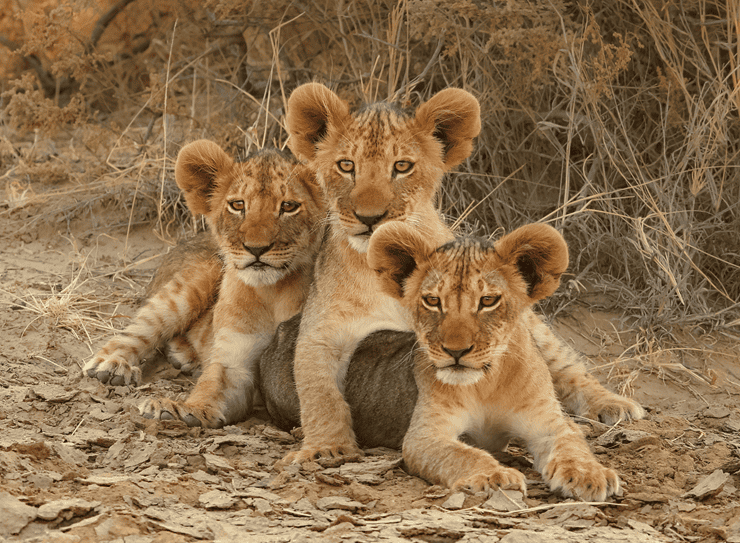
<point x="14" y="515"/>
<point x="216" y="463"/>
<point x="505" y="500"/>
<point x="216" y="499"/>
<point x="339" y="502"/>
<point x="77" y="506"/>
<point x="709" y="486"/>
<point x="455" y="502"/>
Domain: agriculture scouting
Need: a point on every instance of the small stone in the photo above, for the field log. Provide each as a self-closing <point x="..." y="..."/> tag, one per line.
<point x="216" y="463"/>
<point x="716" y="412"/>
<point x="304" y="505"/>
<point x="436" y="492"/>
<point x="709" y="486"/>
<point x="216" y="499"/>
<point x="339" y="502"/>
<point x="105" y="480"/>
<point x="14" y="515"/>
<point x="40" y="480"/>
<point x="72" y="508"/>
<point x="204" y="477"/>
<point x="455" y="502"/>
<point x="648" y="497"/>
<point x="69" y="455"/>
<point x="253" y="492"/>
<point x="732" y="425"/>
<point x="54" y="393"/>
<point x="139" y="457"/>
<point x="278" y="435"/>
<point x="613" y="439"/>
<point x="505" y="500"/>
<point x="260" y="505"/>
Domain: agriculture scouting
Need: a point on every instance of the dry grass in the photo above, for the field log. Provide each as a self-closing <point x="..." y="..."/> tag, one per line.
<point x="615" y="121"/>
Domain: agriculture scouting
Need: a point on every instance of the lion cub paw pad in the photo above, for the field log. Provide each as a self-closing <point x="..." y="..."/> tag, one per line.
<point x="590" y="482"/>
<point x="112" y="371"/>
<point x="503" y="478"/>
<point x="310" y="453"/>
<point x="619" y="409"/>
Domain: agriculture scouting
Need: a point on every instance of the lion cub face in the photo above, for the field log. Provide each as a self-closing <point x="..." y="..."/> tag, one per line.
<point x="379" y="163"/>
<point x="263" y="212"/>
<point x="465" y="297"/>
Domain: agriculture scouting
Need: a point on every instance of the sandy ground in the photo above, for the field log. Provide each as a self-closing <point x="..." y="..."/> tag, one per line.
<point x="77" y="462"/>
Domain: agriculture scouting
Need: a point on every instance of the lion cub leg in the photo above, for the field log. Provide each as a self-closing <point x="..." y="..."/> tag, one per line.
<point x="186" y="351"/>
<point x="579" y="391"/>
<point x="432" y="450"/>
<point x="325" y="415"/>
<point x="227" y="390"/>
<point x="169" y="312"/>
<point x="561" y="453"/>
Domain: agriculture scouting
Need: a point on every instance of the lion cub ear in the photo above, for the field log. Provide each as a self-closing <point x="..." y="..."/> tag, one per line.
<point x="540" y="254"/>
<point x="199" y="165"/>
<point x="312" y="109"/>
<point x="453" y="117"/>
<point x="394" y="253"/>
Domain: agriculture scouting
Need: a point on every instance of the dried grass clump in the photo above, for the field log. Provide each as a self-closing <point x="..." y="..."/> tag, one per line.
<point x="615" y="120"/>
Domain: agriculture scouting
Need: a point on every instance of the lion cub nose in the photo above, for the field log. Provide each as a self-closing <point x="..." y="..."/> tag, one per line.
<point x="259" y="251"/>
<point x="370" y="221"/>
<point x="457" y="354"/>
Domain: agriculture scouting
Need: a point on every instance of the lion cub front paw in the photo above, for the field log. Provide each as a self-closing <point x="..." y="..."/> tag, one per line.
<point x="489" y="481"/>
<point x="113" y="370"/>
<point x="614" y="408"/>
<point x="314" y="452"/>
<point x="583" y="479"/>
<point x="208" y="416"/>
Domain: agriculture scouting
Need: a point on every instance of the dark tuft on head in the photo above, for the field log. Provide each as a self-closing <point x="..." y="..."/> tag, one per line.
<point x="269" y="152"/>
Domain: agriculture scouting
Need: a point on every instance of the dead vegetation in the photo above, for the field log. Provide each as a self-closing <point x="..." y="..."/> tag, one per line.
<point x="616" y="121"/>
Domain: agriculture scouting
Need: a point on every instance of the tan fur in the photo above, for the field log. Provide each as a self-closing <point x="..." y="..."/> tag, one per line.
<point x="264" y="217"/>
<point x="375" y="165"/>
<point x="478" y="370"/>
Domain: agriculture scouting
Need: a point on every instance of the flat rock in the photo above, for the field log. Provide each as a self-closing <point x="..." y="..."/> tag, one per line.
<point x="601" y="534"/>
<point x="204" y="477"/>
<point x="69" y="455"/>
<point x="54" y="393"/>
<point x="217" y="463"/>
<point x="372" y="467"/>
<point x="105" y="480"/>
<point x="217" y="499"/>
<point x="455" y="501"/>
<point x="505" y="500"/>
<point x="278" y="435"/>
<point x="613" y="439"/>
<point x="254" y="492"/>
<point x="14" y="515"/>
<point x="709" y="486"/>
<point x="716" y="412"/>
<point x="339" y="502"/>
<point x="648" y="497"/>
<point x="71" y="508"/>
<point x="139" y="457"/>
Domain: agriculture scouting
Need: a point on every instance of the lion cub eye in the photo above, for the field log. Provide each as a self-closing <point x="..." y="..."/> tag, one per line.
<point x="431" y="301"/>
<point x="289" y="207"/>
<point x="237" y="205"/>
<point x="347" y="166"/>
<point x="403" y="166"/>
<point x="489" y="302"/>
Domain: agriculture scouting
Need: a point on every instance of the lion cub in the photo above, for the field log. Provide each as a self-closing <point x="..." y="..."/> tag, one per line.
<point x="478" y="370"/>
<point x="219" y="299"/>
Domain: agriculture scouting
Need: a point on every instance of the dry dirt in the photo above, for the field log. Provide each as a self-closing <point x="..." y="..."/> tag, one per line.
<point x="77" y="462"/>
